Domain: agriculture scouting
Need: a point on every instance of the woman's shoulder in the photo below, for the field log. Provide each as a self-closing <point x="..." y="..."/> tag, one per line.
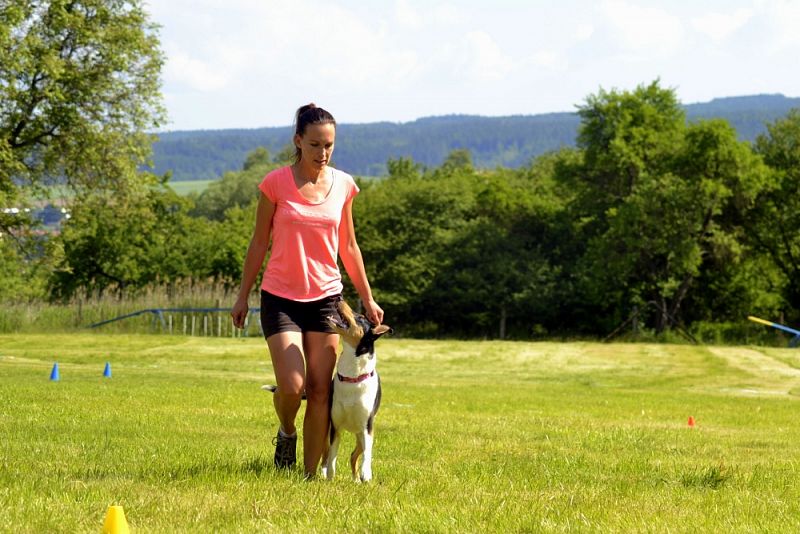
<point x="279" y="172"/>
<point x="274" y="182"/>
<point x="347" y="185"/>
<point x="277" y="176"/>
<point x="344" y="176"/>
<point x="339" y="172"/>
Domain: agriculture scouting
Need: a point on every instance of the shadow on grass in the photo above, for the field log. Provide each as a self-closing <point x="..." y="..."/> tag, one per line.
<point x="713" y="477"/>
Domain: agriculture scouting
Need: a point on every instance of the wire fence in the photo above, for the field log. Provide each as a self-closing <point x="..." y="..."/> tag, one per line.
<point x="206" y="322"/>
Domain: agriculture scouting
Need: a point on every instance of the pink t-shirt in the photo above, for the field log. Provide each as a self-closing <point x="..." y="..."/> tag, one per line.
<point x="305" y="237"/>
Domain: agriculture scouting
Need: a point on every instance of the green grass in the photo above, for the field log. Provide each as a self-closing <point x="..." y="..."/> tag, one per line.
<point x="184" y="187"/>
<point x="472" y="437"/>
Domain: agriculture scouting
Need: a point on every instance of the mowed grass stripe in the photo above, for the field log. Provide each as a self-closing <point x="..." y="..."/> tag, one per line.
<point x="472" y="437"/>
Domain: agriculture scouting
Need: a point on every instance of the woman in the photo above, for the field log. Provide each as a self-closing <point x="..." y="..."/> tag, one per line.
<point x="306" y="209"/>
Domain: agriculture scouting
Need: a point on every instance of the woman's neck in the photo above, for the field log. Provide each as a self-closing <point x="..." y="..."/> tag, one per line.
<point x="308" y="173"/>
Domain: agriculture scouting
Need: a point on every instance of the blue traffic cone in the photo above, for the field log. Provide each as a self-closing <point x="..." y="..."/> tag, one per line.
<point x="54" y="373"/>
<point x="107" y="370"/>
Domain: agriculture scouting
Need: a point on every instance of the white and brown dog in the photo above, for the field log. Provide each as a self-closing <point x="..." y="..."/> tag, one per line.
<point x="356" y="390"/>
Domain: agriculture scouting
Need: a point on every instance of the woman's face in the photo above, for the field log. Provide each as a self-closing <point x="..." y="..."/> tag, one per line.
<point x="316" y="144"/>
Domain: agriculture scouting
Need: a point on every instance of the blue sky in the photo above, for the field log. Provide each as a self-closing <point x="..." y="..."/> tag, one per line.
<point x="251" y="63"/>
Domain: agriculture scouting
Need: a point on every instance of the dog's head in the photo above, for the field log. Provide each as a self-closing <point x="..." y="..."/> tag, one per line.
<point x="356" y="330"/>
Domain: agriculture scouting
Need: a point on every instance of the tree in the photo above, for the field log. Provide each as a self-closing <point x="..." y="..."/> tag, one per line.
<point x="661" y="203"/>
<point x="258" y="157"/>
<point x="773" y="223"/>
<point x="458" y="159"/>
<point x="403" y="224"/>
<point x="495" y="277"/>
<point x="235" y="188"/>
<point x="628" y="140"/>
<point x="626" y="137"/>
<point x="79" y="89"/>
<point x="125" y="240"/>
<point x="23" y="278"/>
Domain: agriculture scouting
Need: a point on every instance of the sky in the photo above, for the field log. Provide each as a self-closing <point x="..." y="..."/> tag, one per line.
<point x="252" y="63"/>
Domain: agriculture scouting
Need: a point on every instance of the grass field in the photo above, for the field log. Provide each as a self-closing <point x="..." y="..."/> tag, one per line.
<point x="184" y="187"/>
<point x="472" y="437"/>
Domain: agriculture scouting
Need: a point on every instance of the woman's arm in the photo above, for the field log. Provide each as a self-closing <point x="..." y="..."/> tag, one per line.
<point x="354" y="264"/>
<point x="256" y="252"/>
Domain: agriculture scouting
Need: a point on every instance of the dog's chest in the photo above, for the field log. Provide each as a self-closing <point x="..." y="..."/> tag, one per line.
<point x="353" y="403"/>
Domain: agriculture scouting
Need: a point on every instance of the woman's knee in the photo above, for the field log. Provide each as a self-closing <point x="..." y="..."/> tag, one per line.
<point x="290" y="389"/>
<point x="318" y="392"/>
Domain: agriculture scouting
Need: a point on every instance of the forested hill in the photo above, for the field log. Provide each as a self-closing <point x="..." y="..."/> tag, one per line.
<point x="363" y="149"/>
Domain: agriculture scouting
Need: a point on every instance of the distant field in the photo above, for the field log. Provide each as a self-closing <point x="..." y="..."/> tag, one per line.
<point x="471" y="437"/>
<point x="186" y="187"/>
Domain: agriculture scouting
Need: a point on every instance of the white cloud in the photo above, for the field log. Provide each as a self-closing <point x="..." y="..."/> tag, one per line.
<point x="406" y="15"/>
<point x="482" y="58"/>
<point x="719" y="26"/>
<point x="550" y="59"/>
<point x="427" y="15"/>
<point x="644" y="31"/>
<point x="784" y="19"/>
<point x="356" y="53"/>
<point x="583" y="32"/>
<point x="249" y="63"/>
<point x="194" y="73"/>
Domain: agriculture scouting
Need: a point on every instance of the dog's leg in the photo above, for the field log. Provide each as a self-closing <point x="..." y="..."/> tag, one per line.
<point x="331" y="434"/>
<point x="330" y="470"/>
<point x="367" y="438"/>
<point x="366" y="463"/>
<point x="324" y="462"/>
<point x="356" y="453"/>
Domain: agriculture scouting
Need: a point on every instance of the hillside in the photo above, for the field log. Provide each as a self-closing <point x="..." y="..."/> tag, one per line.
<point x="363" y="149"/>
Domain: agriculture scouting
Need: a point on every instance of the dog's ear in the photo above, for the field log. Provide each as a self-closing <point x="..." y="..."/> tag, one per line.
<point x="344" y="316"/>
<point x="381" y="329"/>
<point x="337" y="322"/>
<point x="367" y="343"/>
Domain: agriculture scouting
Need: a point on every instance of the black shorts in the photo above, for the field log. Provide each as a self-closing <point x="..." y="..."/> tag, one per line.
<point x="283" y="315"/>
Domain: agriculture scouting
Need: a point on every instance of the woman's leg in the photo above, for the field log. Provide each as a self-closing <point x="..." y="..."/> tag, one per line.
<point x="320" y="350"/>
<point x="286" y="351"/>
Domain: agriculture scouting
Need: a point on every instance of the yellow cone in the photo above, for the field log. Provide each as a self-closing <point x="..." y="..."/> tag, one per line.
<point x="115" y="522"/>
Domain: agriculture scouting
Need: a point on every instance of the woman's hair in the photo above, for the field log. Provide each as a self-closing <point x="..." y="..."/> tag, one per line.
<point x="306" y="115"/>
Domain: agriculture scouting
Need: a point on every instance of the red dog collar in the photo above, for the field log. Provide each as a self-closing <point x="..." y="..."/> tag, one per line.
<point x="356" y="380"/>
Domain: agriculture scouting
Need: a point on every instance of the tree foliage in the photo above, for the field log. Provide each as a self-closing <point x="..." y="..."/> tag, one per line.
<point x="79" y="89"/>
<point x="235" y="188"/>
<point x="679" y="220"/>
<point x="773" y="223"/>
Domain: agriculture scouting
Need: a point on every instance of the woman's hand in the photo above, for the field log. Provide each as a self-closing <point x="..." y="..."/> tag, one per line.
<point x="373" y="312"/>
<point x="240" y="311"/>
